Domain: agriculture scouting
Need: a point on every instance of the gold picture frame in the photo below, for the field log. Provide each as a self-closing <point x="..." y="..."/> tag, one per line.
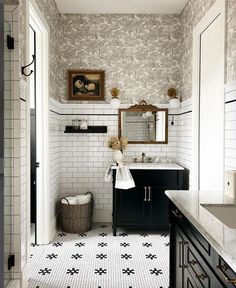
<point x="86" y="85"/>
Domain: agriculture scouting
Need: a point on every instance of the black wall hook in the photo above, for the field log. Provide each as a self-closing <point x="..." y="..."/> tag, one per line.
<point x="24" y="67"/>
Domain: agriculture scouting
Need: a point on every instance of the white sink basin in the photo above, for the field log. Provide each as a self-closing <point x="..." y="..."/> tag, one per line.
<point x="226" y="213"/>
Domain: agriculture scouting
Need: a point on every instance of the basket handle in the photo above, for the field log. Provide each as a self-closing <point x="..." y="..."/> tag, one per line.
<point x="89" y="193"/>
<point x="66" y="201"/>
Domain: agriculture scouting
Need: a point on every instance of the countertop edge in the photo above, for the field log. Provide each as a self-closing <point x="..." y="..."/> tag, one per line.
<point x="225" y="255"/>
<point x="131" y="167"/>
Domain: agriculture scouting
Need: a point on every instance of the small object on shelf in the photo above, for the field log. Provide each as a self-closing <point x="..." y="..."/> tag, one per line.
<point x="91" y="129"/>
<point x="75" y="124"/>
<point x="83" y="124"/>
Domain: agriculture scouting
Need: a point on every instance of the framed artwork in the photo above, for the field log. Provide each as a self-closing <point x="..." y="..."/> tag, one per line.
<point x="86" y="85"/>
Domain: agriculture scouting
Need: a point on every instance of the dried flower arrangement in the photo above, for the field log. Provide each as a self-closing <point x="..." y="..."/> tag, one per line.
<point x="116" y="143"/>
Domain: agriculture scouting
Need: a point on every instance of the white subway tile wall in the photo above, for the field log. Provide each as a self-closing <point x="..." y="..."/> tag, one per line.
<point x="23" y="173"/>
<point x="84" y="158"/>
<point x="54" y="162"/>
<point x="185" y="136"/>
<point x="230" y="128"/>
<point x="13" y="224"/>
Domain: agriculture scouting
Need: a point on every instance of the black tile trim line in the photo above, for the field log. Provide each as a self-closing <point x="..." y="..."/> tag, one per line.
<point x="183" y="113"/>
<point x="230" y="101"/>
<point x="22" y="99"/>
<point x="55" y="112"/>
<point x="69" y="114"/>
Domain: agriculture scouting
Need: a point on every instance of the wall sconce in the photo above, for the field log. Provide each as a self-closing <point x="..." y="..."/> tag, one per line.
<point x="147" y="114"/>
<point x="115" y="101"/>
<point x="174" y="100"/>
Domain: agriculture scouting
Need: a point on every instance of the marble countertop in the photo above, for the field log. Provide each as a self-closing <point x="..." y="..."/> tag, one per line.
<point x="152" y="166"/>
<point x="221" y="238"/>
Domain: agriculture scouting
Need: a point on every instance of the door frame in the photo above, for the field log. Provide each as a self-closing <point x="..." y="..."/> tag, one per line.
<point x="42" y="103"/>
<point x="216" y="9"/>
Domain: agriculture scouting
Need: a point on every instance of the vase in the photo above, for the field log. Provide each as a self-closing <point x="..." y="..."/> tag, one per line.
<point x="117" y="156"/>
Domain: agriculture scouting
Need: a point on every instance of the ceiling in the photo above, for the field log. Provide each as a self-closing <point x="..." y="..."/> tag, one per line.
<point x="121" y="6"/>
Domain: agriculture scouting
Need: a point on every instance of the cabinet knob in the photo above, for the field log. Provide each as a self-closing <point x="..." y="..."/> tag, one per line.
<point x="193" y="262"/>
<point x="201" y="276"/>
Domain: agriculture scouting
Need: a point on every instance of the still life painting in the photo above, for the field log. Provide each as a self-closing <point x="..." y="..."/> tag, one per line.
<point x="86" y="85"/>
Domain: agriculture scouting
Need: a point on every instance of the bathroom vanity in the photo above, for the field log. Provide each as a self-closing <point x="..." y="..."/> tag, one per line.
<point x="202" y="247"/>
<point x="146" y="205"/>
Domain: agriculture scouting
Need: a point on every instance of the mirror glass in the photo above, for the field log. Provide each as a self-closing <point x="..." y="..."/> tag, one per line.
<point x="144" y="124"/>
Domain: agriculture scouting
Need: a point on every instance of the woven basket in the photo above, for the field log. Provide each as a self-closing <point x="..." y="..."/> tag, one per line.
<point x="76" y="218"/>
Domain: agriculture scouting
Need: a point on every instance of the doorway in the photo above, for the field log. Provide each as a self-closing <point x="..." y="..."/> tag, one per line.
<point x="38" y="34"/>
<point x="208" y="101"/>
<point x="33" y="133"/>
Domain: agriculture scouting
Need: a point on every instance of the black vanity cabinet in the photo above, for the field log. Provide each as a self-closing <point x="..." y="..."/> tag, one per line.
<point x="130" y="214"/>
<point x="193" y="262"/>
<point x="146" y="205"/>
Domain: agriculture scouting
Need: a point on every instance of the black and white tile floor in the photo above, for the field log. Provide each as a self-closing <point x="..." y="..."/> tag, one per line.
<point x="98" y="260"/>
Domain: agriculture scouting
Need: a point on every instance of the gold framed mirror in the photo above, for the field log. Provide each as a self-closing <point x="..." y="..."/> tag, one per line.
<point x="144" y="124"/>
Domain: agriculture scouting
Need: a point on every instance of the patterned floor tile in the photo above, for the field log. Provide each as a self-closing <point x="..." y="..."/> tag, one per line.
<point x="97" y="259"/>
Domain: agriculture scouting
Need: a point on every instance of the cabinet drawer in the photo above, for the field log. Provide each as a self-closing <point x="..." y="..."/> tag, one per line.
<point x="156" y="177"/>
<point x="200" y="243"/>
<point x="196" y="237"/>
<point x="225" y="273"/>
<point x="195" y="267"/>
<point x="189" y="282"/>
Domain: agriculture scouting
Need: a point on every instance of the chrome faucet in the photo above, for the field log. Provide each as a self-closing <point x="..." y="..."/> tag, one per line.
<point x="143" y="157"/>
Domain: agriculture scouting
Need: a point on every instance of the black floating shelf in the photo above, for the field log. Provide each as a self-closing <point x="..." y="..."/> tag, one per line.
<point x="91" y="129"/>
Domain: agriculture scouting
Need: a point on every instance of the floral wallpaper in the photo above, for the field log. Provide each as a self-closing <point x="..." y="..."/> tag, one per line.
<point x="231" y="40"/>
<point x="143" y="55"/>
<point x="50" y="11"/>
<point x="191" y="15"/>
<point x="139" y="53"/>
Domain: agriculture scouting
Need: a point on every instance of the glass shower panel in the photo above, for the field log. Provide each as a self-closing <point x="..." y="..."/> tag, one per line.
<point x="8" y="156"/>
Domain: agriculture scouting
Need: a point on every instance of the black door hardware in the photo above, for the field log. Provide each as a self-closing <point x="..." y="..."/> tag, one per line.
<point x="24" y="67"/>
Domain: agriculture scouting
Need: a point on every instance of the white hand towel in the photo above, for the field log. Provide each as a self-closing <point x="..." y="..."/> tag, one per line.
<point x="71" y="200"/>
<point x="83" y="199"/>
<point x="124" y="179"/>
<point x="108" y="174"/>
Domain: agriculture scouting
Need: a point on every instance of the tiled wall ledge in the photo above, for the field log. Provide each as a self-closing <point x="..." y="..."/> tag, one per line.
<point x="230" y="91"/>
<point x="78" y="109"/>
<point x="230" y="126"/>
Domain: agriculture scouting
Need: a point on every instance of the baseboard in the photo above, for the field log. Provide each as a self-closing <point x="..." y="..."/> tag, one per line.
<point x="15" y="284"/>
<point x="102" y="215"/>
<point x="25" y="276"/>
<point x="53" y="228"/>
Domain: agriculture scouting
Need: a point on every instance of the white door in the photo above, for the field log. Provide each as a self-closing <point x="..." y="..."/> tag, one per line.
<point x="39" y="92"/>
<point x="211" y="42"/>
